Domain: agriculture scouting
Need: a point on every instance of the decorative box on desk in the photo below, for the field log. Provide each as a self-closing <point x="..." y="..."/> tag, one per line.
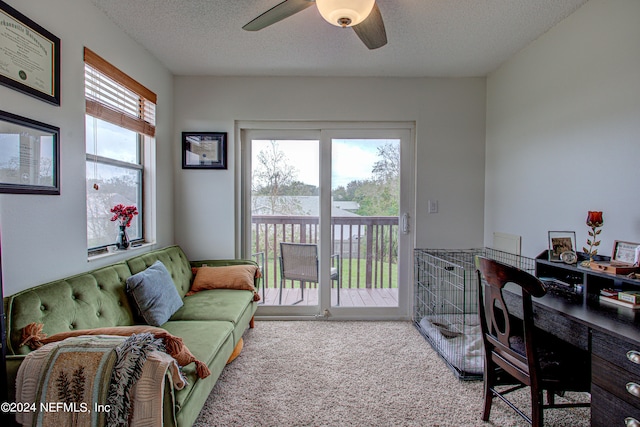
<point x="621" y="261"/>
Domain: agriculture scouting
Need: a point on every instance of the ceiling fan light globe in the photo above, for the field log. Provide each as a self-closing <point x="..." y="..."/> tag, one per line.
<point x="337" y="12"/>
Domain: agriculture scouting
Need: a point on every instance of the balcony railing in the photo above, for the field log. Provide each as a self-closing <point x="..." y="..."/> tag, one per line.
<point x="367" y="245"/>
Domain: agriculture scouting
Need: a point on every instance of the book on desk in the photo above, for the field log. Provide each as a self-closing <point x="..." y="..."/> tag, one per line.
<point x="630" y="296"/>
<point x="629" y="299"/>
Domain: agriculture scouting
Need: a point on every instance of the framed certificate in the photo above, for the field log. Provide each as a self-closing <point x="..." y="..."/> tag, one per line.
<point x="29" y="156"/>
<point x="29" y="56"/>
<point x="204" y="150"/>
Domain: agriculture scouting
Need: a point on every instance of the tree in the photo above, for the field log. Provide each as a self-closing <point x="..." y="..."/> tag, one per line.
<point x="275" y="191"/>
<point x="299" y="188"/>
<point x="387" y="169"/>
<point x="379" y="195"/>
<point x="384" y="198"/>
<point x="348" y="193"/>
<point x="272" y="176"/>
<point x="376" y="199"/>
<point x="275" y="187"/>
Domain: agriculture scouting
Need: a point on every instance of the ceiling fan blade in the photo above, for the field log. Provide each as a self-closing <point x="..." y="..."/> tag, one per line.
<point x="278" y="13"/>
<point x="371" y="31"/>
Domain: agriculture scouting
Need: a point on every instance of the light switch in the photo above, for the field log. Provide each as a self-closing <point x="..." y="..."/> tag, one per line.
<point x="432" y="206"/>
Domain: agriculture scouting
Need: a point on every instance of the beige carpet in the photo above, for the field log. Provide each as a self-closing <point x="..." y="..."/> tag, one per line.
<point x="330" y="373"/>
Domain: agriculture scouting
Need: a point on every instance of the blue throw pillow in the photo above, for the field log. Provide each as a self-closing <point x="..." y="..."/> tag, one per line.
<point x="154" y="294"/>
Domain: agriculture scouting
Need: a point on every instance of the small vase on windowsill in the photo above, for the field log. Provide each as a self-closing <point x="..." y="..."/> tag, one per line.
<point x="122" y="241"/>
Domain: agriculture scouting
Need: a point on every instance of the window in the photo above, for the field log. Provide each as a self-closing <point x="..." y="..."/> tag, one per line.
<point x="119" y="128"/>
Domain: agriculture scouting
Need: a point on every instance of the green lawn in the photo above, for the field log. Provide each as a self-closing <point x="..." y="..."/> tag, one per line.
<point x="350" y="273"/>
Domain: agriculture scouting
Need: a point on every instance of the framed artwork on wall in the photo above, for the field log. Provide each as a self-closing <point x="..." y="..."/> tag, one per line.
<point x="204" y="150"/>
<point x="29" y="56"/>
<point x="29" y="156"/>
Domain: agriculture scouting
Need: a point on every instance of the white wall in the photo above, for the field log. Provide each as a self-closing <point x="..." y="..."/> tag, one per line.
<point x="44" y="237"/>
<point x="450" y="120"/>
<point x="563" y="130"/>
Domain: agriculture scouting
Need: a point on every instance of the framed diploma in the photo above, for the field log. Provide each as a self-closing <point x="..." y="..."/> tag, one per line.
<point x="204" y="150"/>
<point x="29" y="56"/>
<point x="29" y="156"/>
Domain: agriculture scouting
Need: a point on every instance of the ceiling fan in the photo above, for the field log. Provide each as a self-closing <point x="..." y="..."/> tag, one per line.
<point x="361" y="15"/>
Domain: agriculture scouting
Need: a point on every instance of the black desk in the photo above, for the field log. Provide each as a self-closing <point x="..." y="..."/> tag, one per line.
<point x="609" y="332"/>
<point x="574" y="320"/>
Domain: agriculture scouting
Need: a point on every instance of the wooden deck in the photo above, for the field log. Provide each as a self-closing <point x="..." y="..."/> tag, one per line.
<point x="348" y="297"/>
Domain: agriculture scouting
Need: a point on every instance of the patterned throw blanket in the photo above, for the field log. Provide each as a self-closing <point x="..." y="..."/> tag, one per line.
<point x="96" y="381"/>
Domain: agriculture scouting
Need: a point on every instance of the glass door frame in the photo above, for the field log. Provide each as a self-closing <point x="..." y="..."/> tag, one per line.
<point x="325" y="132"/>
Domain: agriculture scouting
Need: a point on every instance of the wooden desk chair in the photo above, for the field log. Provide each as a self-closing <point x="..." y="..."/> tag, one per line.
<point x="299" y="261"/>
<point x="516" y="354"/>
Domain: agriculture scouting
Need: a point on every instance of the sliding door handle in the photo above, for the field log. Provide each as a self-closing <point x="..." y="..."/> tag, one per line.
<point x="405" y="223"/>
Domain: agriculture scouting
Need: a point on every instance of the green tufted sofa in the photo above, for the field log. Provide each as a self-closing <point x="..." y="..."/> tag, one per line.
<point x="210" y="322"/>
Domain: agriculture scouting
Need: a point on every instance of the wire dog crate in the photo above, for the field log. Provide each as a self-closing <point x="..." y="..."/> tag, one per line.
<point x="446" y="306"/>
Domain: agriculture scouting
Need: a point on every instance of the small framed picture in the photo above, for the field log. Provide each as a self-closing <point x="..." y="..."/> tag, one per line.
<point x="204" y="150"/>
<point x="560" y="242"/>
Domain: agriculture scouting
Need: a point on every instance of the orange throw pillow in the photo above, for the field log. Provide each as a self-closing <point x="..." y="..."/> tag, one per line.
<point x="33" y="337"/>
<point x="239" y="277"/>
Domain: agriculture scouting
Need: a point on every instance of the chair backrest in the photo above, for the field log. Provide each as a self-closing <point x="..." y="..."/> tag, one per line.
<point x="299" y="261"/>
<point x="508" y="341"/>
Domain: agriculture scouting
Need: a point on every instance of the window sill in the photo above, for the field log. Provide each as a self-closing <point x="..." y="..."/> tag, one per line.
<point x="119" y="253"/>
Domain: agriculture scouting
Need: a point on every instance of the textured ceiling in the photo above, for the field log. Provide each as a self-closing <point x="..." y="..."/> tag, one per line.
<point x="427" y="38"/>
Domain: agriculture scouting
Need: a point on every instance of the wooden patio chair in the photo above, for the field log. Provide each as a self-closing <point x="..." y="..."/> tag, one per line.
<point x="516" y="354"/>
<point x="299" y="261"/>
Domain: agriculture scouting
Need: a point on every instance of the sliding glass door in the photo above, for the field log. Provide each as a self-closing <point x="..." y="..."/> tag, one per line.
<point x="285" y="210"/>
<point x="365" y="212"/>
<point x="326" y="212"/>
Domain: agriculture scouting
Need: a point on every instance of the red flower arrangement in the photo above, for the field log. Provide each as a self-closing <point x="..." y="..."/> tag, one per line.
<point x="124" y="214"/>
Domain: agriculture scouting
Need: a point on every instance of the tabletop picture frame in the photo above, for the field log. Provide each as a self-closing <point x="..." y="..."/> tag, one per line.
<point x="559" y="242"/>
<point x="624" y="252"/>
<point x="30" y="56"/>
<point x="29" y="156"/>
<point x="204" y="150"/>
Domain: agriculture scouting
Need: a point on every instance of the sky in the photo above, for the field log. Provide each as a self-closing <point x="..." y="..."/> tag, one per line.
<point x="352" y="159"/>
<point x="109" y="140"/>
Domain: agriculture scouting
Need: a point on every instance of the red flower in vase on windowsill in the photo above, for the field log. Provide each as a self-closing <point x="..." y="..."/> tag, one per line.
<point x="123" y="214"/>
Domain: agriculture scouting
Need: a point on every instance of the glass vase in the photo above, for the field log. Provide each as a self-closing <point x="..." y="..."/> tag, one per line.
<point x="122" y="241"/>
